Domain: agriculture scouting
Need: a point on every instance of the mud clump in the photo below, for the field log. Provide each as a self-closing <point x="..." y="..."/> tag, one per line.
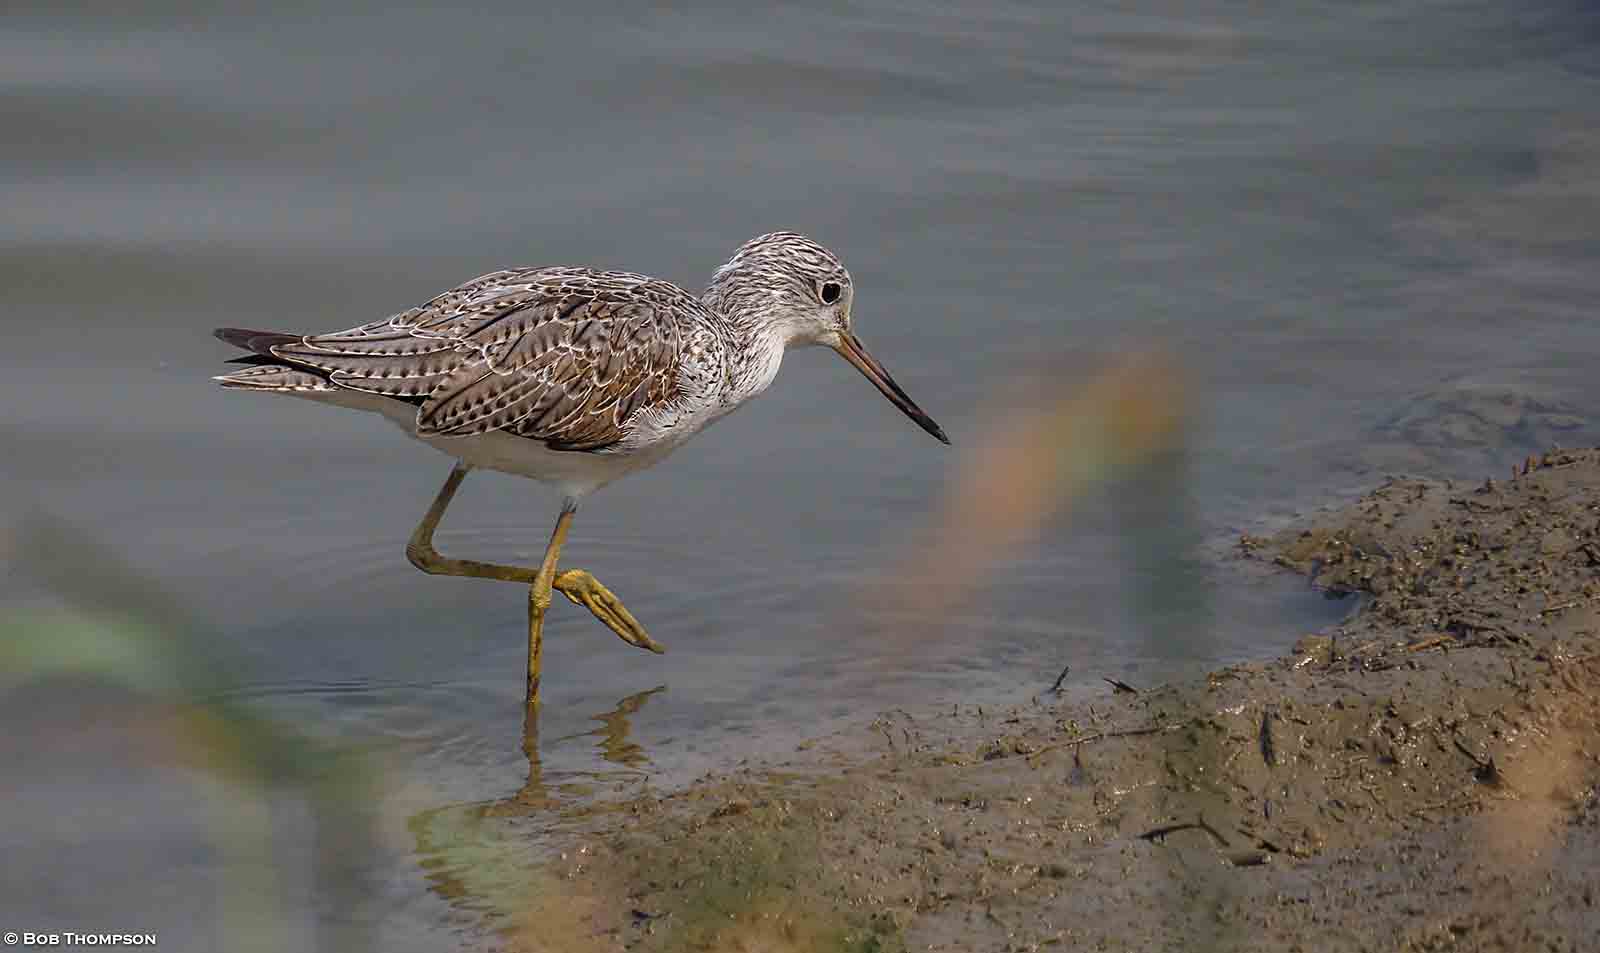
<point x="1422" y="777"/>
<point x="1512" y="559"/>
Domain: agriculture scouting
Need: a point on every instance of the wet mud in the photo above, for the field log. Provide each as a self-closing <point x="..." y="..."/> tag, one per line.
<point x="1421" y="777"/>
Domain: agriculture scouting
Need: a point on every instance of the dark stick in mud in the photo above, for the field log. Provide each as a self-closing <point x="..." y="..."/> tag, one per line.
<point x="1056" y="688"/>
<point x="1120" y="687"/>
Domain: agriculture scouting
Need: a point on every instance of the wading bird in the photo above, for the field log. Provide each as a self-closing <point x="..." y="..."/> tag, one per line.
<point x="572" y="377"/>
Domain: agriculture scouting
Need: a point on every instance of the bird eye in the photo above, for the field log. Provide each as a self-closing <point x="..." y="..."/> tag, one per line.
<point x="830" y="293"/>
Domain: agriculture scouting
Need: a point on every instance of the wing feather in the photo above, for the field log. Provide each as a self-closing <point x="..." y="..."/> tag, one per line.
<point x="567" y="356"/>
<point x="405" y="387"/>
<point x="570" y="357"/>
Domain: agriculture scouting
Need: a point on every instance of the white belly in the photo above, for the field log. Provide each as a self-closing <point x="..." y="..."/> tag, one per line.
<point x="574" y="474"/>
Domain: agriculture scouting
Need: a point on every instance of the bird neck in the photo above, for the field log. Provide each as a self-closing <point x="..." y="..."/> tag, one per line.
<point x="757" y="357"/>
<point x="758" y="341"/>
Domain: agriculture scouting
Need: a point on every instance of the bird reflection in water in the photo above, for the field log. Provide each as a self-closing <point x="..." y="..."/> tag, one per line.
<point x="613" y="744"/>
<point x="477" y="862"/>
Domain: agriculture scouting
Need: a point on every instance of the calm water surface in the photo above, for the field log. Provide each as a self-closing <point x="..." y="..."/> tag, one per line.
<point x="1368" y="230"/>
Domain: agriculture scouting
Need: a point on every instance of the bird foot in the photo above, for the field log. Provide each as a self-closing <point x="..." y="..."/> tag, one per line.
<point x="584" y="589"/>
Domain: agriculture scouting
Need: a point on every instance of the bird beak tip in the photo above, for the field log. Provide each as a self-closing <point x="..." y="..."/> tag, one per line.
<point x="852" y="350"/>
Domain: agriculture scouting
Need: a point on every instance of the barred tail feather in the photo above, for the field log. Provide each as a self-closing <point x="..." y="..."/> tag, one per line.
<point x="261" y="342"/>
<point x="277" y="377"/>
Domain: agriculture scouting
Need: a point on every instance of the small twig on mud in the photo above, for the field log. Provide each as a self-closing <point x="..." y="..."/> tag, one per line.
<point x="1434" y="642"/>
<point x="1121" y="687"/>
<point x="1484" y="769"/>
<point x="1377" y="802"/>
<point x="1056" y="688"/>
<point x="1077" y="776"/>
<point x="882" y="727"/>
<point x="1212" y="831"/>
<point x="1160" y="833"/>
<point x="1572" y="604"/>
<point x="1458" y="801"/>
<point x="1199" y="824"/>
<point x="1249" y="858"/>
<point x="1269" y="752"/>
<point x="1099" y="735"/>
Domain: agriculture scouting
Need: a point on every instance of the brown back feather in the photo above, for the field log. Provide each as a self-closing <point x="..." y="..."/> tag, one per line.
<point x="566" y="356"/>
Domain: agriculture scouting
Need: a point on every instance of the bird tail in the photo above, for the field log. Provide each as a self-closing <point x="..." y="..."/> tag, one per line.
<point x="259" y="342"/>
<point x="284" y="378"/>
<point x="265" y="370"/>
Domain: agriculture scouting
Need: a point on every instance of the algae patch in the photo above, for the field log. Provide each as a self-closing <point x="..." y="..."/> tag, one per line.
<point x="747" y="874"/>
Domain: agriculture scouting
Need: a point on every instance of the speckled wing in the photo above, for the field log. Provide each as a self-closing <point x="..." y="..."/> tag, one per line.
<point x="566" y="356"/>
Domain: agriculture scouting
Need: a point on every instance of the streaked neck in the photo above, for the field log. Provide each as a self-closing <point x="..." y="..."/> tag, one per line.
<point x="758" y="344"/>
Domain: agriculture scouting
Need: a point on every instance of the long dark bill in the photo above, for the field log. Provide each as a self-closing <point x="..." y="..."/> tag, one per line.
<point x="851" y="349"/>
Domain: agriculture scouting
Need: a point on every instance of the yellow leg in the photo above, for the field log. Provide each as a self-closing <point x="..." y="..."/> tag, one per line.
<point x="576" y="584"/>
<point x="539" y="595"/>
<point x="423" y="556"/>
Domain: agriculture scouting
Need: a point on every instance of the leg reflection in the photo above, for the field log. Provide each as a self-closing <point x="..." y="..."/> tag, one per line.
<point x="614" y="745"/>
<point x="479" y="858"/>
<point x="614" y="728"/>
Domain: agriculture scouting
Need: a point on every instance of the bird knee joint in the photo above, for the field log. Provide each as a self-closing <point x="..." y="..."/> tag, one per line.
<point x="576" y="578"/>
<point x="421" y="557"/>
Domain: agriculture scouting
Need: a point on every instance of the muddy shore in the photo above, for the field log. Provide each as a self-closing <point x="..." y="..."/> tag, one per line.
<point x="1422" y="777"/>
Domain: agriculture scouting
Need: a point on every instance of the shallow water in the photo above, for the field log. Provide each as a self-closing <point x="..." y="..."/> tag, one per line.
<point x="1367" y="232"/>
